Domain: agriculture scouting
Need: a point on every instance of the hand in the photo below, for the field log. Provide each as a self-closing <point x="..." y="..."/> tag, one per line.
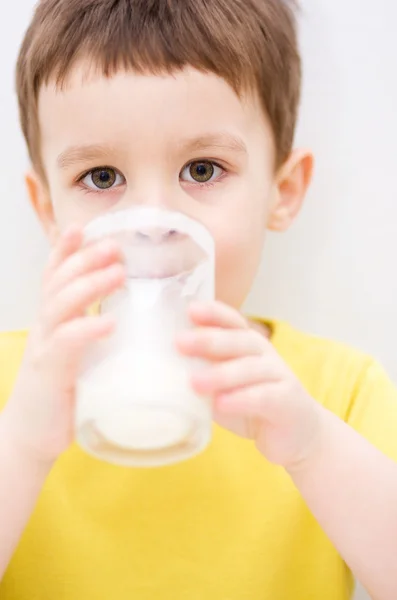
<point x="255" y="395"/>
<point x="39" y="414"/>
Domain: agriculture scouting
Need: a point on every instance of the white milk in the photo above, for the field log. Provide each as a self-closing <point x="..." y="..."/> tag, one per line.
<point x="141" y="402"/>
<point x="134" y="402"/>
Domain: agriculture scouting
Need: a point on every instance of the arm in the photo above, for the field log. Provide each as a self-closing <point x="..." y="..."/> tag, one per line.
<point x="36" y="426"/>
<point x="21" y="481"/>
<point x="351" y="489"/>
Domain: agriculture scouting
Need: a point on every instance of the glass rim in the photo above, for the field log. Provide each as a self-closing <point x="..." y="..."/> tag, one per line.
<point x="120" y="221"/>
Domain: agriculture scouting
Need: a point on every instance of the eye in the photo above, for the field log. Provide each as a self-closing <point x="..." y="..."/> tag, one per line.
<point x="203" y="171"/>
<point x="104" y="178"/>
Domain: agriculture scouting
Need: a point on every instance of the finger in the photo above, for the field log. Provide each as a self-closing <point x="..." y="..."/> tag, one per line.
<point x="227" y="376"/>
<point x="71" y="339"/>
<point x="91" y="258"/>
<point x="217" y="314"/>
<point x="69" y="243"/>
<point x="82" y="293"/>
<point x="238" y="423"/>
<point x="259" y="401"/>
<point x="79" y="332"/>
<point x="221" y="344"/>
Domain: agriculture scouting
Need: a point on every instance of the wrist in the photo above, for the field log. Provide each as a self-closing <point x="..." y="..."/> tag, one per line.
<point x="18" y="451"/>
<point x="314" y="443"/>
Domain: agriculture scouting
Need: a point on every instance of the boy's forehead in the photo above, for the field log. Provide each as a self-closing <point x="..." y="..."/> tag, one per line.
<point x="187" y="107"/>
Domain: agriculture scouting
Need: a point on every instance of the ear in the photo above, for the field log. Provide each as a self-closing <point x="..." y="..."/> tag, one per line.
<point x="39" y="196"/>
<point x="292" y="182"/>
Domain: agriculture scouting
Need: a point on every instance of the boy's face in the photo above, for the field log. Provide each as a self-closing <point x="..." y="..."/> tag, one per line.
<point x="185" y="142"/>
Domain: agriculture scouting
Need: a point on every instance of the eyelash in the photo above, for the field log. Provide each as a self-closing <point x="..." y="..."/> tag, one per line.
<point x="87" y="190"/>
<point x="208" y="184"/>
<point x="201" y="185"/>
<point x="224" y="169"/>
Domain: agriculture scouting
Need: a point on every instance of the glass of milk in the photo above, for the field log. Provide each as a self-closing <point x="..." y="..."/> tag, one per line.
<point x="135" y="405"/>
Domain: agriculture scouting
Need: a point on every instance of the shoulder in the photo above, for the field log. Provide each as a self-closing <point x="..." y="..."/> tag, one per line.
<point x="12" y="346"/>
<point x="333" y="372"/>
<point x="346" y="381"/>
<point x="309" y="352"/>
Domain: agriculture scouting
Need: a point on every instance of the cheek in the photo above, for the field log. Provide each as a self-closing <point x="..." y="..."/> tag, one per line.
<point x="239" y="239"/>
<point x="70" y="209"/>
<point x="238" y="256"/>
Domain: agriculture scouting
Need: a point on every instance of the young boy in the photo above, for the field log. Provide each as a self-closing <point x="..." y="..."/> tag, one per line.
<point x="190" y="105"/>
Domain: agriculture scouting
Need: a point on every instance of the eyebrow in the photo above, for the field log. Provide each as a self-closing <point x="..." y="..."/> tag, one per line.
<point x="79" y="154"/>
<point x="75" y="155"/>
<point x="219" y="141"/>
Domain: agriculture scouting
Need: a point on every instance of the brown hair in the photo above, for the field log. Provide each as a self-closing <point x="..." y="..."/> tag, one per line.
<point x="252" y="44"/>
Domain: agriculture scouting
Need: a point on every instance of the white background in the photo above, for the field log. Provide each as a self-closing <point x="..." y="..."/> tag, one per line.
<point x="334" y="273"/>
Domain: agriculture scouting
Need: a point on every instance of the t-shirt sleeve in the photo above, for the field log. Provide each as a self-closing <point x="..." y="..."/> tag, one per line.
<point x="373" y="409"/>
<point x="12" y="347"/>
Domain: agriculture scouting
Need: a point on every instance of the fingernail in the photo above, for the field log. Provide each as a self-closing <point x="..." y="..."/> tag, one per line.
<point x="197" y="308"/>
<point x="72" y="230"/>
<point x="202" y="382"/>
<point x="186" y="337"/>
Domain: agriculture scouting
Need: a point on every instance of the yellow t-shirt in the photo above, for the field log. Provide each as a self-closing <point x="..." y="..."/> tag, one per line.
<point x="224" y="526"/>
